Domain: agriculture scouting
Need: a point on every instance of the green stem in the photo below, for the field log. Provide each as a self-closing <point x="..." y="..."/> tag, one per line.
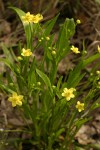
<point x="5" y="131"/>
<point x="53" y="72"/>
<point x="67" y="141"/>
<point x="49" y="144"/>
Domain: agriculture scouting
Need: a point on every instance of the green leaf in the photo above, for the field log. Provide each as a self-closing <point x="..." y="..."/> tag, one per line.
<point x="80" y="122"/>
<point x="49" y="25"/>
<point x="59" y="82"/>
<point x="75" y="75"/>
<point x="59" y="132"/>
<point x="45" y="79"/>
<point x="27" y="27"/>
<point x="66" y="32"/>
<point x="5" y="88"/>
<point x="19" y="12"/>
<point x="14" y="68"/>
<point x="7" y="54"/>
<point x="90" y="59"/>
<point x="6" y="62"/>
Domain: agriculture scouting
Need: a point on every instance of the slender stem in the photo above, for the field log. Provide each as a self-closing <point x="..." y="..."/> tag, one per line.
<point x="53" y="72"/>
<point x="68" y="139"/>
<point x="16" y="131"/>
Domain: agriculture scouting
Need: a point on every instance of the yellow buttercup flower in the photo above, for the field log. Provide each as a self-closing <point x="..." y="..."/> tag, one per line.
<point x="80" y="106"/>
<point x="27" y="18"/>
<point x="75" y="49"/>
<point x="30" y="18"/>
<point x="68" y="93"/>
<point x="16" y="99"/>
<point x="26" y="52"/>
<point x="98" y="48"/>
<point x="37" y="18"/>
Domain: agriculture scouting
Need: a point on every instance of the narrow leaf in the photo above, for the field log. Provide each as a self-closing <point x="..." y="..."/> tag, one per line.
<point x="45" y="78"/>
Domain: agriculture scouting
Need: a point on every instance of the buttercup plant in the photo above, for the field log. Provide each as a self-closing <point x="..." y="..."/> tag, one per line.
<point x="57" y="108"/>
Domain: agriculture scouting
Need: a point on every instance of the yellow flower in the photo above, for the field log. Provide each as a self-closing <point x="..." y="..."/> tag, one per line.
<point x="75" y="49"/>
<point x="78" y="21"/>
<point x="98" y="48"/>
<point x="80" y="106"/>
<point x="68" y="93"/>
<point x="27" y="18"/>
<point x="16" y="99"/>
<point x="26" y="52"/>
<point x="37" y="18"/>
<point x="30" y="18"/>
